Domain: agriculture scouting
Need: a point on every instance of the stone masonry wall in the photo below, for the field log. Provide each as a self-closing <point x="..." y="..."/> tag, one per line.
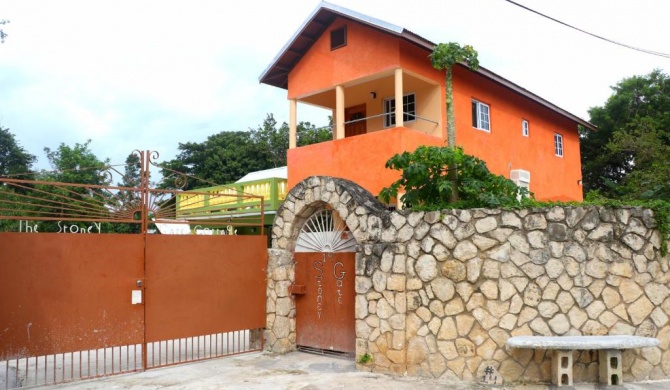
<point x="439" y="293"/>
<point x="454" y="286"/>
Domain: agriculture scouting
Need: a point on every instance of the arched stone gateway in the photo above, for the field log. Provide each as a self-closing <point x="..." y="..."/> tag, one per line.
<point x="364" y="218"/>
<point x="438" y="294"/>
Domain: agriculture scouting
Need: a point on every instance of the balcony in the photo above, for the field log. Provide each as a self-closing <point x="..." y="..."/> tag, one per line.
<point x="233" y="201"/>
<point x="374" y="117"/>
<point x="359" y="158"/>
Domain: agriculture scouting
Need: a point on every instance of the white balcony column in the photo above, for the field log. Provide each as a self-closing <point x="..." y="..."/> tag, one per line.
<point x="292" y="123"/>
<point x="398" y="98"/>
<point x="339" y="112"/>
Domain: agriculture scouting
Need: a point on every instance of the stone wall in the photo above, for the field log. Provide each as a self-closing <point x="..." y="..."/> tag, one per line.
<point x="439" y="293"/>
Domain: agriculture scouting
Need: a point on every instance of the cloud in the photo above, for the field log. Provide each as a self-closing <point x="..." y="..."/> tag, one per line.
<point x="150" y="74"/>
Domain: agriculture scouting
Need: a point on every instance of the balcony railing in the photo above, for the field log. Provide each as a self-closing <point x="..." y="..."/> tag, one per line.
<point x="229" y="200"/>
<point x="388" y="114"/>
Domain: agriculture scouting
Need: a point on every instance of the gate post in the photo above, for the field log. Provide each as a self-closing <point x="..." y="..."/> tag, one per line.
<point x="280" y="333"/>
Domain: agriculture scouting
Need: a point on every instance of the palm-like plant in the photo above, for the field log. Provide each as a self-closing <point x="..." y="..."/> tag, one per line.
<point x="444" y="57"/>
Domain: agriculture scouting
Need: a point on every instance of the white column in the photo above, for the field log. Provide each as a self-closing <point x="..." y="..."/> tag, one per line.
<point x="398" y="98"/>
<point x="339" y="112"/>
<point x="292" y="123"/>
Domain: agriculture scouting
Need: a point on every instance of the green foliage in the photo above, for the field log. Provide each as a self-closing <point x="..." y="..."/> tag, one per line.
<point x="14" y="160"/>
<point x="227" y="156"/>
<point x="10" y="199"/>
<point x="3" y="34"/>
<point x="76" y="164"/>
<point x="427" y="185"/>
<point x="628" y="157"/>
<point x="15" y="163"/>
<point x="309" y="134"/>
<point x="222" y="158"/>
<point x="444" y="57"/>
<point x="131" y="178"/>
<point x="273" y="140"/>
<point x="365" y="359"/>
<point x="662" y="215"/>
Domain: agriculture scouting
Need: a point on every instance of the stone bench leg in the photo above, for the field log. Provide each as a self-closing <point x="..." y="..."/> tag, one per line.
<point x="561" y="368"/>
<point x="609" y="365"/>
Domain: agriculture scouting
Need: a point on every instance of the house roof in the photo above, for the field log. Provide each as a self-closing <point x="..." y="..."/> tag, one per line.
<point x="280" y="172"/>
<point x="276" y="74"/>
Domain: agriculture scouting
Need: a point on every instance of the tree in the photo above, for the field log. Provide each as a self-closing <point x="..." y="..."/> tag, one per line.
<point x="15" y="163"/>
<point x="76" y="164"/>
<point x="222" y="158"/>
<point x="628" y="156"/>
<point x="274" y="140"/>
<point x="132" y="175"/>
<point x="56" y="197"/>
<point x="227" y="156"/>
<point x="14" y="160"/>
<point x="3" y="34"/>
<point x="444" y="57"/>
<point x="309" y="134"/>
<point x="427" y="183"/>
<point x="128" y="199"/>
<point x="649" y="177"/>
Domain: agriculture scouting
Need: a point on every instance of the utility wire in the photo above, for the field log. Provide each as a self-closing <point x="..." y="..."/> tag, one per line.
<point x="655" y="53"/>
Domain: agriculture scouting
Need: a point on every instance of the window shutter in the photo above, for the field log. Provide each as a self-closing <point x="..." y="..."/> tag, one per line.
<point x="520" y="177"/>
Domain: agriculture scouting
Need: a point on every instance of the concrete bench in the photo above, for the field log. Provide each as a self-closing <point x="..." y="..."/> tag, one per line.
<point x="609" y="353"/>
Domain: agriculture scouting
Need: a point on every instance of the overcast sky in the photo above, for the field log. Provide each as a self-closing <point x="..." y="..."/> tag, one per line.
<point x="137" y="74"/>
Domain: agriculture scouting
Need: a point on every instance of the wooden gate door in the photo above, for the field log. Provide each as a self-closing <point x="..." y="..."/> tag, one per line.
<point x="325" y="312"/>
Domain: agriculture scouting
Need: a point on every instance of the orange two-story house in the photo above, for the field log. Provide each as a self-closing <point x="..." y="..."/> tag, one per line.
<point x="362" y="68"/>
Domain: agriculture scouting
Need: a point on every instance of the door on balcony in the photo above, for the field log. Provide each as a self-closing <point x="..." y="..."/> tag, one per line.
<point x="324" y="285"/>
<point x="355" y="126"/>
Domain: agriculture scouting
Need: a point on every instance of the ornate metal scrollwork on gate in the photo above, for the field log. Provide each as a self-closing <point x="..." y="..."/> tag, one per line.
<point x="135" y="204"/>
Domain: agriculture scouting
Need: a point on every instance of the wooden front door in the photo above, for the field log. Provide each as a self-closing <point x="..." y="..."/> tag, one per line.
<point x="325" y="312"/>
<point x="352" y="114"/>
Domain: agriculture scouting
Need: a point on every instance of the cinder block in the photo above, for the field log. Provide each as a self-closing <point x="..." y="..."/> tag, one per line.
<point x="611" y="371"/>
<point x="561" y="368"/>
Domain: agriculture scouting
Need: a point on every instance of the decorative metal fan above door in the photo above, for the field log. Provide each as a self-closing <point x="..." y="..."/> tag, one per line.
<point x="325" y="231"/>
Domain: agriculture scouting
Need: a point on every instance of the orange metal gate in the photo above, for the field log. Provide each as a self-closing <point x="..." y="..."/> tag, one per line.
<point x="325" y="308"/>
<point x="66" y="306"/>
<point x="205" y="296"/>
<point x="79" y="300"/>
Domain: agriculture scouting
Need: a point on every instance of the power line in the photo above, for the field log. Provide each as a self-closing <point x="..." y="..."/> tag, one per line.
<point x="654" y="53"/>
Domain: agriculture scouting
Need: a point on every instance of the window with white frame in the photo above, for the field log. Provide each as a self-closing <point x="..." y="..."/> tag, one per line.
<point x="525" y="128"/>
<point x="558" y="145"/>
<point x="408" y="109"/>
<point x="481" y="118"/>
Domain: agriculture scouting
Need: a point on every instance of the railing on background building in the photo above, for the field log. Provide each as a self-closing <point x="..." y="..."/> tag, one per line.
<point x="208" y="203"/>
